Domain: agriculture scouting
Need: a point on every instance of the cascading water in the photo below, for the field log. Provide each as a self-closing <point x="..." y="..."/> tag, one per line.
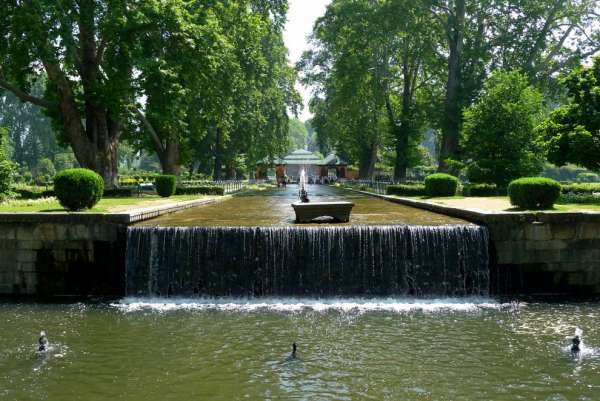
<point x="315" y="261"/>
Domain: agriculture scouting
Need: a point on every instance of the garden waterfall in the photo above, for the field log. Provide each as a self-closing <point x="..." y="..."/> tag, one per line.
<point x="308" y="261"/>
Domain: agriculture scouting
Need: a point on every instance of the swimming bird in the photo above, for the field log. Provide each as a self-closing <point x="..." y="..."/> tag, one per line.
<point x="43" y="342"/>
<point x="292" y="356"/>
<point x="575" y="348"/>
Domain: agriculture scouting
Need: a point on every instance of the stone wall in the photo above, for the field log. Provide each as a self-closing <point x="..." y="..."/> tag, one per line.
<point x="545" y="253"/>
<point x="75" y="254"/>
<point x="53" y="255"/>
<point x="47" y="254"/>
<point x="535" y="252"/>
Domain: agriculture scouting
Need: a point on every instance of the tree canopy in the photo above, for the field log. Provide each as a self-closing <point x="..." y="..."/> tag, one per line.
<point x="500" y="142"/>
<point x="164" y="75"/>
<point x="387" y="70"/>
<point x="572" y="131"/>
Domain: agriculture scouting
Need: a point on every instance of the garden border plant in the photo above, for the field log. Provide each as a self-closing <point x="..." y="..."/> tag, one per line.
<point x="200" y="190"/>
<point x="78" y="188"/>
<point x="441" y="184"/>
<point x="166" y="185"/>
<point x="534" y="192"/>
<point x="406" y="189"/>
<point x="481" y="190"/>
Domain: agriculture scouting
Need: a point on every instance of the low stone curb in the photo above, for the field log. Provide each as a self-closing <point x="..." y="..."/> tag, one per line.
<point x="486" y="217"/>
<point x="125" y="218"/>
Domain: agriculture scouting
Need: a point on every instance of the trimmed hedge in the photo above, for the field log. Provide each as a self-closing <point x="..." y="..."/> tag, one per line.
<point x="480" y="190"/>
<point x="25" y="193"/>
<point x="581" y="189"/>
<point x="200" y="190"/>
<point x="165" y="185"/>
<point x="441" y="184"/>
<point x="78" y="188"/>
<point x="582" y="199"/>
<point x="534" y="192"/>
<point x="123" y="192"/>
<point x="406" y="190"/>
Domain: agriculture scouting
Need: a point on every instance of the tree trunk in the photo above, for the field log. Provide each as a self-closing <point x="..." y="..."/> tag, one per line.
<point x="452" y="116"/>
<point x="230" y="173"/>
<point x="218" y="154"/>
<point x="366" y="167"/>
<point x="170" y="160"/>
<point x="169" y="153"/>
<point x="402" y="130"/>
<point x="401" y="164"/>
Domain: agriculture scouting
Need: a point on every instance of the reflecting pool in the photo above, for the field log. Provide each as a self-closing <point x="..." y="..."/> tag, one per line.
<point x="230" y="349"/>
<point x="272" y="208"/>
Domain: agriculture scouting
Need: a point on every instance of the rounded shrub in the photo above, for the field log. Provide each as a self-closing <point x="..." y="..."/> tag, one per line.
<point x="441" y="184"/>
<point x="534" y="192"/>
<point x="165" y="185"/>
<point x="78" y="188"/>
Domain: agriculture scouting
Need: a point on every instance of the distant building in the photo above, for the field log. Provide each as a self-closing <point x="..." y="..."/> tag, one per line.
<point x="316" y="167"/>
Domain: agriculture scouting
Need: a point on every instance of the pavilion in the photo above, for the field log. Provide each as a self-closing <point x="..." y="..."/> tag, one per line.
<point x="316" y="167"/>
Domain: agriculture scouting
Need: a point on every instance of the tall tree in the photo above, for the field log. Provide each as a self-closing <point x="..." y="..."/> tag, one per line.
<point x="378" y="49"/>
<point x="214" y="75"/>
<point x="31" y="136"/>
<point x="84" y="49"/>
<point x="298" y="136"/>
<point x="572" y="132"/>
<point x="500" y="141"/>
<point x="453" y="20"/>
<point x="539" y="37"/>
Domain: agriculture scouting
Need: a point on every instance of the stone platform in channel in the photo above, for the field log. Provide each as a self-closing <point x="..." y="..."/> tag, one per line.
<point x="307" y="212"/>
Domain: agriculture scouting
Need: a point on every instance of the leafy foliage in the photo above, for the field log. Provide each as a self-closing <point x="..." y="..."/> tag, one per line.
<point x="45" y="171"/>
<point x="572" y="132"/>
<point x="441" y="184"/>
<point x="367" y="69"/>
<point x="211" y="70"/>
<point x="78" y="188"/>
<point x="500" y="141"/>
<point x="165" y="185"/>
<point x="406" y="190"/>
<point x="200" y="190"/>
<point x="580" y="189"/>
<point x="480" y="190"/>
<point x="534" y="192"/>
<point x="8" y="169"/>
<point x="298" y="135"/>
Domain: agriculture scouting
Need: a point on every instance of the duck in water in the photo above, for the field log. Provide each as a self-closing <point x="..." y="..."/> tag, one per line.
<point x="43" y="343"/>
<point x="575" y="346"/>
<point x="292" y="356"/>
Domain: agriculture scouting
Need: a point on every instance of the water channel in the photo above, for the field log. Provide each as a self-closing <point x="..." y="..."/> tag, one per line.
<point x="415" y="323"/>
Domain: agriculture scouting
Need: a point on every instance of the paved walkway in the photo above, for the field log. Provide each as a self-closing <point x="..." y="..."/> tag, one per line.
<point x="491" y="204"/>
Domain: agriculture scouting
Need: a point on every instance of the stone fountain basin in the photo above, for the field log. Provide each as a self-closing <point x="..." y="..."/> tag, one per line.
<point x="307" y="212"/>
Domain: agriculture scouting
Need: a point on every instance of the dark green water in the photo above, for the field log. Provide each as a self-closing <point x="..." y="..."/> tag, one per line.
<point x="273" y="208"/>
<point x="348" y="350"/>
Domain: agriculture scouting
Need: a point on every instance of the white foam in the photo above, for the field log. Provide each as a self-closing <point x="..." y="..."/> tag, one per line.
<point x="355" y="305"/>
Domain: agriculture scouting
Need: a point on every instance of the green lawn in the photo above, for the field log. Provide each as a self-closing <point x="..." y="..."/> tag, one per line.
<point x="569" y="207"/>
<point x="105" y="205"/>
<point x="501" y="203"/>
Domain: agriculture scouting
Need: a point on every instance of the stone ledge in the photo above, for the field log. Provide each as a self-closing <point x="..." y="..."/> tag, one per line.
<point x="485" y="217"/>
<point x="134" y="216"/>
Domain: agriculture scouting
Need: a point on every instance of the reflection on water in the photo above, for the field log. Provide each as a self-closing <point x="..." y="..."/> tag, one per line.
<point x="272" y="207"/>
<point x="227" y="349"/>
